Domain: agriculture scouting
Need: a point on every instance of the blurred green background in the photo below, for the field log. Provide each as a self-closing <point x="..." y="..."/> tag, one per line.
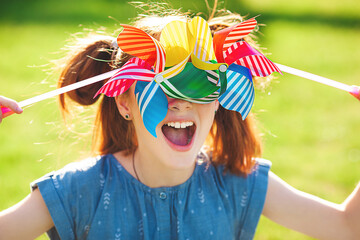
<point x="310" y="131"/>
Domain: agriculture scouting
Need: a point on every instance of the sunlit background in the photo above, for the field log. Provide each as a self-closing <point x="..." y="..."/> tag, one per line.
<point x="310" y="131"/>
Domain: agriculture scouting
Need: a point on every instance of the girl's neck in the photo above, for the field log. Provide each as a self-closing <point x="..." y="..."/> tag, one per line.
<point x="154" y="174"/>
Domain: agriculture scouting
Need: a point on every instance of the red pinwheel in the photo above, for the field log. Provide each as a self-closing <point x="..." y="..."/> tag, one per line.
<point x="228" y="49"/>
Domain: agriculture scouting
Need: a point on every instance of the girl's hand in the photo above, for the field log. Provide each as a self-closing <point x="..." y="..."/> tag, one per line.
<point x="8" y="103"/>
<point x="355" y="91"/>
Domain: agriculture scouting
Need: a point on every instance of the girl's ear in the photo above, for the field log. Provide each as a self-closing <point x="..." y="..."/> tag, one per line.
<point x="123" y="105"/>
<point x="217" y="104"/>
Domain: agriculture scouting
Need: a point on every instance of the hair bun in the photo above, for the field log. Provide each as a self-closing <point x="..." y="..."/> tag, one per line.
<point x="89" y="58"/>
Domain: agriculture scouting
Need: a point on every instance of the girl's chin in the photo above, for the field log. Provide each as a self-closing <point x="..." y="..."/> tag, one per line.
<point x="180" y="161"/>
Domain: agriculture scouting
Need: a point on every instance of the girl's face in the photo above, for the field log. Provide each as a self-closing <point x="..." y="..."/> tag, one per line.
<point x="179" y="136"/>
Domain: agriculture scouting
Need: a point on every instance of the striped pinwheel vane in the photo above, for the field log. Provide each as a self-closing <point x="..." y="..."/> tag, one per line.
<point x="188" y="63"/>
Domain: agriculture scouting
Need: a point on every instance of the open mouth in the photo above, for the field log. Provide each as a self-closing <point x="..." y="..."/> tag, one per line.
<point x="179" y="133"/>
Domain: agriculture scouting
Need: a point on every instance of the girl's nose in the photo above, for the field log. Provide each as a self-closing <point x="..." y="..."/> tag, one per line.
<point x="179" y="105"/>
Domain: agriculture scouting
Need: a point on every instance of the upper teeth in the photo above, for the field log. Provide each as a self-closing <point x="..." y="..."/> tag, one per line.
<point x="179" y="124"/>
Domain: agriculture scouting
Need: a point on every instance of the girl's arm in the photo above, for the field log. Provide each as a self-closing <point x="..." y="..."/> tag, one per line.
<point x="311" y="215"/>
<point x="29" y="218"/>
<point x="26" y="220"/>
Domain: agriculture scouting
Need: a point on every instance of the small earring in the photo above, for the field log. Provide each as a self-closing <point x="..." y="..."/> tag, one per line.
<point x="127" y="116"/>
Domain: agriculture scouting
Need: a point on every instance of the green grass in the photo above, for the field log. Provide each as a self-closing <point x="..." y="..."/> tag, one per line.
<point x="310" y="130"/>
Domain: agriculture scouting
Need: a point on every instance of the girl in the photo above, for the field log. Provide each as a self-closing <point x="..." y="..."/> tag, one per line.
<point x="194" y="174"/>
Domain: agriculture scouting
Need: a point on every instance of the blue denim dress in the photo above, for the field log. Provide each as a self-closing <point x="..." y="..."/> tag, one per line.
<point x="98" y="199"/>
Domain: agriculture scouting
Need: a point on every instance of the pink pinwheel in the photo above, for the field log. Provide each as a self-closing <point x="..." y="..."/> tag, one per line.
<point x="228" y="49"/>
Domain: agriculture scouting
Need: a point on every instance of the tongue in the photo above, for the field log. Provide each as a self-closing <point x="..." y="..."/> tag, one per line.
<point x="178" y="136"/>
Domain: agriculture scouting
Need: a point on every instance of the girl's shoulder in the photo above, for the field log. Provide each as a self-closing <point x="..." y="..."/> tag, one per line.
<point x="83" y="172"/>
<point x="262" y="166"/>
<point x="237" y="184"/>
<point x="263" y="162"/>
